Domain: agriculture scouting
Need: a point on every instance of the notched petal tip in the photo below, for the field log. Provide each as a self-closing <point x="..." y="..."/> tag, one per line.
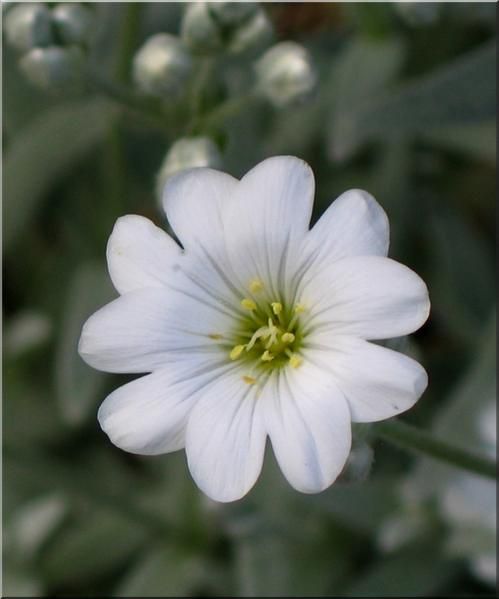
<point x="195" y="201"/>
<point x="186" y="177"/>
<point x="370" y="212"/>
<point x="139" y="254"/>
<point x="283" y="165"/>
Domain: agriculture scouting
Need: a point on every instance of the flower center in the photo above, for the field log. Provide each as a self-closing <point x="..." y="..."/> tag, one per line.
<point x="270" y="336"/>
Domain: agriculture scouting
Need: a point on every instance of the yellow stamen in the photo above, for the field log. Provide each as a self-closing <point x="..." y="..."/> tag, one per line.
<point x="236" y="351"/>
<point x="267" y="356"/>
<point x="215" y="336"/>
<point x="249" y="380"/>
<point x="248" y="304"/>
<point x="299" y="308"/>
<point x="295" y="361"/>
<point x="255" y="286"/>
<point x="288" y="338"/>
<point x="276" y="307"/>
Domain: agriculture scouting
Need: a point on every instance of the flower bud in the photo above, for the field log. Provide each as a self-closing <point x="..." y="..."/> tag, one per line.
<point x="28" y="26"/>
<point x="73" y="23"/>
<point x="161" y="66"/>
<point x="188" y="152"/>
<point x="199" y="30"/>
<point x="255" y="32"/>
<point x="53" y="68"/>
<point x="286" y="74"/>
<point x="232" y="13"/>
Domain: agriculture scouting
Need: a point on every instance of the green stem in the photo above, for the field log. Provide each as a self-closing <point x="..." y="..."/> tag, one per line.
<point x="149" y="111"/>
<point x="48" y="473"/>
<point x="196" y="100"/>
<point x="413" y="439"/>
<point x="224" y="111"/>
<point x="141" y="107"/>
<point x="128" y="38"/>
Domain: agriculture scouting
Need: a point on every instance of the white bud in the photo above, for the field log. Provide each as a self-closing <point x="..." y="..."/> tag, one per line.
<point x="188" y="152"/>
<point x="232" y="13"/>
<point x="28" y="26"/>
<point x="73" y="23"/>
<point x="255" y="32"/>
<point x="286" y="74"/>
<point x="161" y="66"/>
<point x="53" y="68"/>
<point x="199" y="30"/>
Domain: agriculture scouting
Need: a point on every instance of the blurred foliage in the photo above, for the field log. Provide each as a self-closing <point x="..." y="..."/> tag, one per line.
<point x="405" y="108"/>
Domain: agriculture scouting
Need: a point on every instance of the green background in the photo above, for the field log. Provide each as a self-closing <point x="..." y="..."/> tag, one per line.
<point x="404" y="108"/>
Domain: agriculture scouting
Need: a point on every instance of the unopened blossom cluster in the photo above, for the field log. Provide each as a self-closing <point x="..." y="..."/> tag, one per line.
<point x="255" y="326"/>
<point x="166" y="64"/>
<point x="51" y="41"/>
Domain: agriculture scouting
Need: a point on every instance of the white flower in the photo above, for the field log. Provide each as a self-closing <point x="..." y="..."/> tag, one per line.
<point x="258" y="327"/>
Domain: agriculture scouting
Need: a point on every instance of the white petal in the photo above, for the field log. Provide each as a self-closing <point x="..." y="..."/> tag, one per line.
<point x="148" y="416"/>
<point x="195" y="201"/>
<point x="308" y="421"/>
<point x="139" y="254"/>
<point x="354" y="225"/>
<point x="378" y="382"/>
<point x="225" y="440"/>
<point x="365" y="296"/>
<point x="141" y="330"/>
<point x="269" y="215"/>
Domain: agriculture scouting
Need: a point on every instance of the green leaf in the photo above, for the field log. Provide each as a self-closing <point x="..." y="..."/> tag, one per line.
<point x="282" y="564"/>
<point x="33" y="523"/>
<point x="98" y="479"/>
<point x="42" y="152"/>
<point x="359" y="506"/>
<point x="19" y="580"/>
<point x="30" y="411"/>
<point x="363" y="71"/>
<point x="390" y="184"/>
<point x="419" y="570"/>
<point x="96" y="545"/>
<point x="476" y="140"/>
<point x="459" y="93"/>
<point x="77" y="384"/>
<point x="458" y="421"/>
<point x="164" y="572"/>
<point x="461" y="277"/>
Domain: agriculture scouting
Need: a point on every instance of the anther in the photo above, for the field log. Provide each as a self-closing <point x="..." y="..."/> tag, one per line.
<point x="255" y="286"/>
<point x="267" y="356"/>
<point x="295" y="361"/>
<point x="248" y="304"/>
<point x="249" y="380"/>
<point x="299" y="308"/>
<point x="288" y="338"/>
<point x="276" y="308"/>
<point x="236" y="351"/>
